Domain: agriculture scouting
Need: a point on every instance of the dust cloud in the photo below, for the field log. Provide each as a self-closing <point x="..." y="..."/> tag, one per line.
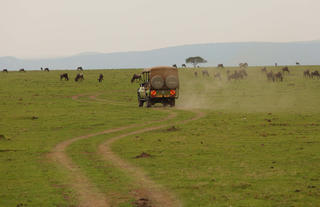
<point x="251" y="94"/>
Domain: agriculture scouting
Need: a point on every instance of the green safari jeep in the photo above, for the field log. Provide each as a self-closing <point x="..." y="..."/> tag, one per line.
<point x="159" y="85"/>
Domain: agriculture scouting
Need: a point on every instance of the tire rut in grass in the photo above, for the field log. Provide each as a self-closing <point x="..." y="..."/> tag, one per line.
<point x="151" y="193"/>
<point x="88" y="194"/>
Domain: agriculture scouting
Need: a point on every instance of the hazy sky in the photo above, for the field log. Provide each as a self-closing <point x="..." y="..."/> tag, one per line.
<point x="50" y="28"/>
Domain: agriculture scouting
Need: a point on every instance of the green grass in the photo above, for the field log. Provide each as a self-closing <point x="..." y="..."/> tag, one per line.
<point x="257" y="146"/>
<point x="25" y="175"/>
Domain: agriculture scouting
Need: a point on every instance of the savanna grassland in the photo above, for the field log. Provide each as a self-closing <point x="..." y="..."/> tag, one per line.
<point x="226" y="143"/>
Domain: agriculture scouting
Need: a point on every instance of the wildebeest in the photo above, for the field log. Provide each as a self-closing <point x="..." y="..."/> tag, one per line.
<point x="175" y="66"/>
<point x="270" y="76"/>
<point x="196" y="73"/>
<point x="205" y="73"/>
<point x="243" y="65"/>
<point x="297" y="63"/>
<point x="232" y="76"/>
<point x="264" y="70"/>
<point x="80" y="68"/>
<point x="79" y="77"/>
<point x="220" y="66"/>
<point x="285" y="69"/>
<point x="244" y="72"/>
<point x="100" y="78"/>
<point x="22" y="70"/>
<point x="135" y="77"/>
<point x="5" y="70"/>
<point x="64" y="76"/>
<point x="315" y="74"/>
<point x="306" y="74"/>
<point x="184" y="65"/>
<point x="278" y="77"/>
<point x="46" y="69"/>
<point x="217" y="75"/>
<point x="237" y="75"/>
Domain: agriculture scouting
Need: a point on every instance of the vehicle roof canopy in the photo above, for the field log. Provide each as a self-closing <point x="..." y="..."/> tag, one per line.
<point x="159" y="68"/>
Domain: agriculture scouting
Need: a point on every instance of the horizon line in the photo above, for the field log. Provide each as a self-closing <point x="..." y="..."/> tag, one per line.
<point x="159" y="48"/>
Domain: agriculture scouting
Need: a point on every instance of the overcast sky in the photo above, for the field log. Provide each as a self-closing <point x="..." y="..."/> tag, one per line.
<point x="51" y="28"/>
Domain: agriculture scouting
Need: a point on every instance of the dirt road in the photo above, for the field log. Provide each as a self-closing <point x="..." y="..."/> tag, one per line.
<point x="88" y="195"/>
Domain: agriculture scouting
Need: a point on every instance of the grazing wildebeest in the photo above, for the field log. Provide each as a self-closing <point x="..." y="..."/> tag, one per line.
<point x="217" y="75"/>
<point x="22" y="70"/>
<point x="135" y="77"/>
<point x="244" y="72"/>
<point x="220" y="66"/>
<point x="243" y="65"/>
<point x="264" y="70"/>
<point x="5" y="70"/>
<point x="184" y="65"/>
<point x="79" y="77"/>
<point x="297" y="63"/>
<point x="64" y="76"/>
<point x="205" y="73"/>
<point x="285" y="69"/>
<point x="306" y="74"/>
<point x="315" y="74"/>
<point x="175" y="66"/>
<point x="232" y="76"/>
<point x="100" y="78"/>
<point x="196" y="73"/>
<point x="80" y="68"/>
<point x="278" y="76"/>
<point x="46" y="69"/>
<point x="238" y="75"/>
<point x="270" y="76"/>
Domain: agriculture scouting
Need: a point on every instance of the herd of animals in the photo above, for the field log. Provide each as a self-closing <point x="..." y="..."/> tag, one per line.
<point x="235" y="75"/>
<point x="279" y="75"/>
<point x="64" y="76"/>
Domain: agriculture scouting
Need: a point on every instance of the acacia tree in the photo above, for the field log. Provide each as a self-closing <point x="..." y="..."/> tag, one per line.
<point x="195" y="60"/>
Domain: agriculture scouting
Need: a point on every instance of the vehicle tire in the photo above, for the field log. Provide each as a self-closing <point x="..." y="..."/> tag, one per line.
<point x="157" y="82"/>
<point x="141" y="103"/>
<point x="172" y="82"/>
<point x="172" y="102"/>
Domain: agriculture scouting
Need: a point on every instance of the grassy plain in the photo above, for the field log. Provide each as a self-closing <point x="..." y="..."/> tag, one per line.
<point x="258" y="144"/>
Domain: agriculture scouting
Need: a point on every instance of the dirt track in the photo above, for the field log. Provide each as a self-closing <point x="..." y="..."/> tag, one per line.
<point x="88" y="194"/>
<point x="158" y="196"/>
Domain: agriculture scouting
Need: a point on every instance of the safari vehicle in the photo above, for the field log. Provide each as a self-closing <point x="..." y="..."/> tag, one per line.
<point x="159" y="85"/>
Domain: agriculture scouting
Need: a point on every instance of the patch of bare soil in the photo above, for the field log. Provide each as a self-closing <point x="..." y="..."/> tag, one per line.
<point x="172" y="129"/>
<point x="142" y="202"/>
<point x="143" y="155"/>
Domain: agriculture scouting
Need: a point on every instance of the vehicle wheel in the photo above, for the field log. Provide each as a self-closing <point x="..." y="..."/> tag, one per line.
<point x="173" y="102"/>
<point x="141" y="103"/>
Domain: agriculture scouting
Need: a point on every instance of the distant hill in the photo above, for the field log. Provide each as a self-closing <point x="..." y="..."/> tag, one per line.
<point x="230" y="54"/>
